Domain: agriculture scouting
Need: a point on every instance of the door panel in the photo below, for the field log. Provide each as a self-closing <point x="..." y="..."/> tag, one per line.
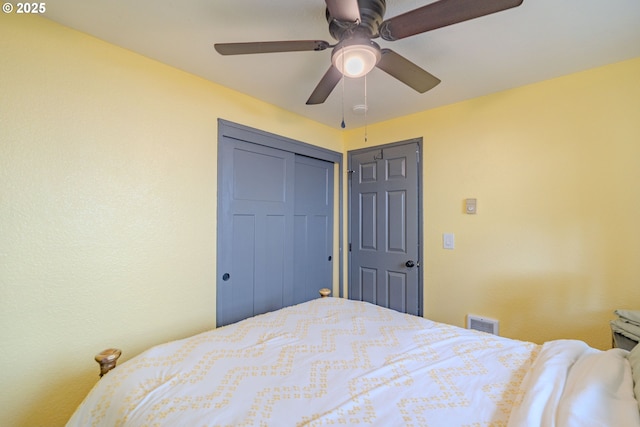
<point x="397" y="285"/>
<point x="243" y="264"/>
<point x="385" y="228"/>
<point x="270" y="166"/>
<point x="397" y="221"/>
<point x="368" y="282"/>
<point x="368" y="221"/>
<point x="256" y="197"/>
<point x="271" y="272"/>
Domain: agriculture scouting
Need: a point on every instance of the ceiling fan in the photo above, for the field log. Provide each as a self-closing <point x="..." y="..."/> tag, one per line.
<point x="354" y="23"/>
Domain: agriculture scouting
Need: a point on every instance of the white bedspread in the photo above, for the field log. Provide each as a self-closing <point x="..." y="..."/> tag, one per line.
<point x="332" y="362"/>
<point x="573" y="385"/>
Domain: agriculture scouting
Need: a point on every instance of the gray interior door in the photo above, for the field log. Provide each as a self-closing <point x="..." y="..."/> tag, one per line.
<point x="275" y="229"/>
<point x="385" y="229"/>
<point x="313" y="228"/>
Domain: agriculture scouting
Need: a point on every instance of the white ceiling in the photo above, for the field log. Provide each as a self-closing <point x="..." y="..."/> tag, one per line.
<point x="539" y="40"/>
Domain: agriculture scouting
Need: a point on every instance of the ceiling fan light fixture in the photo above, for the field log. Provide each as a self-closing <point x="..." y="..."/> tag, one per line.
<point x="356" y="59"/>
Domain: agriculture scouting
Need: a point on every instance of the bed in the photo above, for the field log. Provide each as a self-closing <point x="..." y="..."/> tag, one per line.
<point x="334" y="361"/>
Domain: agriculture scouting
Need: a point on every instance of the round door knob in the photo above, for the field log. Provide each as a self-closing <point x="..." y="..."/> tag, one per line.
<point x="410" y="263"/>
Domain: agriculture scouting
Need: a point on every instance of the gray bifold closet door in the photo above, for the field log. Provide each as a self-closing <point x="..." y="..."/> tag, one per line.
<point x="275" y="225"/>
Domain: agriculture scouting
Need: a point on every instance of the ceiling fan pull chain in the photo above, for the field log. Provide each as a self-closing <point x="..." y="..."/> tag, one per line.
<point x="343" y="125"/>
<point x="366" y="109"/>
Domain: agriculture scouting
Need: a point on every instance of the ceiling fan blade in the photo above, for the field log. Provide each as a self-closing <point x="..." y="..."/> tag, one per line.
<point x="270" y="47"/>
<point x="325" y="87"/>
<point x="406" y="71"/>
<point x="344" y="10"/>
<point x="440" y="14"/>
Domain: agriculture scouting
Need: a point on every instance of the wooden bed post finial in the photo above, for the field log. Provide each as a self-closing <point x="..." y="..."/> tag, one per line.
<point x="325" y="292"/>
<point x="107" y="359"/>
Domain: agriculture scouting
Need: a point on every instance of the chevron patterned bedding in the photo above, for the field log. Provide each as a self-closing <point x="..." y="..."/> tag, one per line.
<point x="334" y="361"/>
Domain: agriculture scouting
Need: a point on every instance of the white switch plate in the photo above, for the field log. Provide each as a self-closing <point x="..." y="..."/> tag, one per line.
<point x="448" y="241"/>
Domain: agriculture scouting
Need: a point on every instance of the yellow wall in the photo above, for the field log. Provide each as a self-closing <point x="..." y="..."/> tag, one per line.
<point x="107" y="207"/>
<point x="555" y="166"/>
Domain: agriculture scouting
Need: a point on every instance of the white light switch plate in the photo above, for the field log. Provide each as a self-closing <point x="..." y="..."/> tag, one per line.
<point x="448" y="241"/>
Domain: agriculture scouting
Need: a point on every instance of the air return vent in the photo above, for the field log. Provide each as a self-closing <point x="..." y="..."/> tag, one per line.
<point x="483" y="324"/>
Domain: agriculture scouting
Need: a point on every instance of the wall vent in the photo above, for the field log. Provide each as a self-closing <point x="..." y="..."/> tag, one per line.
<point x="483" y="324"/>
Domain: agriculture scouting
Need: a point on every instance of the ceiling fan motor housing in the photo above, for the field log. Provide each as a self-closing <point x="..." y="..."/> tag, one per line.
<point x="371" y="17"/>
